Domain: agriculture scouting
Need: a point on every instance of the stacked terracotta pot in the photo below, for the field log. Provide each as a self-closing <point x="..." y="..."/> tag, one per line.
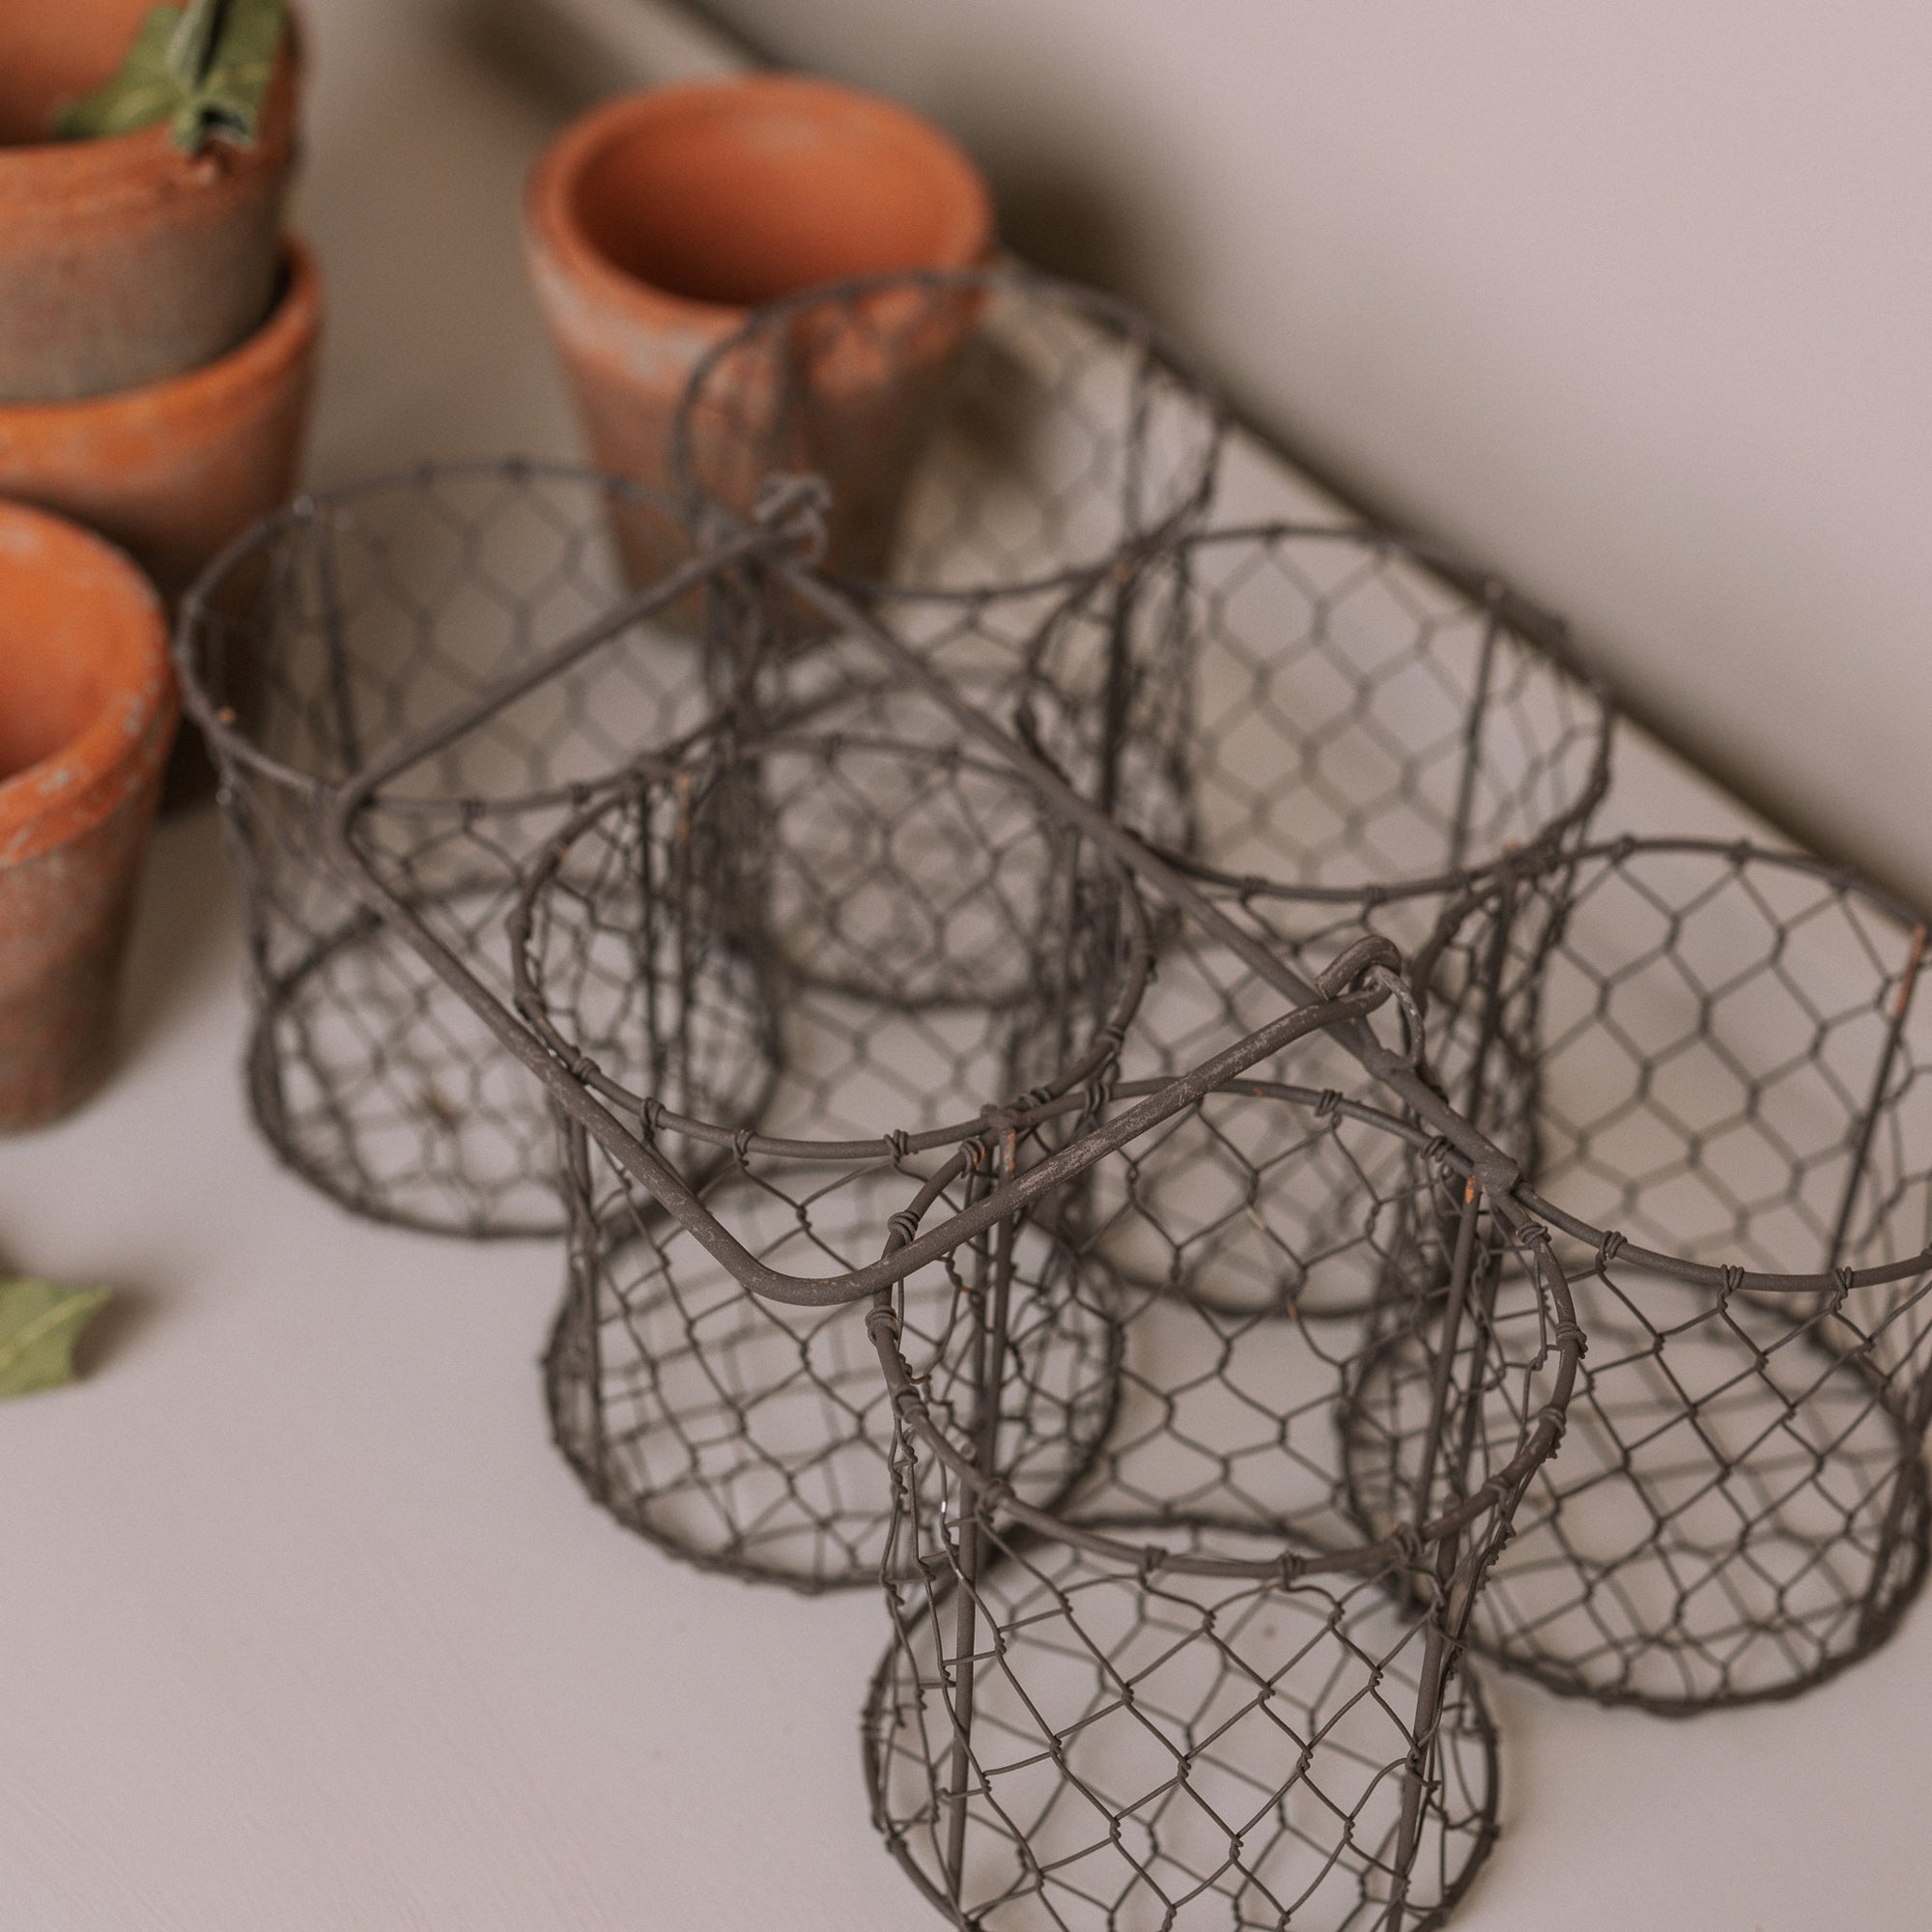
<point x="157" y="332"/>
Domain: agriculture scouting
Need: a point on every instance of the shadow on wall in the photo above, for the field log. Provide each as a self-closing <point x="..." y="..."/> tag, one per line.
<point x="1068" y="225"/>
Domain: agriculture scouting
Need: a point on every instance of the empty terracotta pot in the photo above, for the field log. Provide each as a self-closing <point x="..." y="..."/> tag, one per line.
<point x="656" y="222"/>
<point x="87" y="710"/>
<point x="124" y="260"/>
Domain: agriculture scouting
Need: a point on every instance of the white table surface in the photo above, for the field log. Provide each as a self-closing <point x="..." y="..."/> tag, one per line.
<point x="304" y="1626"/>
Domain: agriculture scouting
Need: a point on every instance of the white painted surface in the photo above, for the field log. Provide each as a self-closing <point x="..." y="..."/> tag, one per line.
<point x="1632" y="301"/>
<point x="303" y="1624"/>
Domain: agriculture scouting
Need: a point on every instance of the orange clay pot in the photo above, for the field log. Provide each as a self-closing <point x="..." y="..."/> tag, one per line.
<point x="122" y="260"/>
<point x="654" y="224"/>
<point x="176" y="471"/>
<point x="87" y="710"/>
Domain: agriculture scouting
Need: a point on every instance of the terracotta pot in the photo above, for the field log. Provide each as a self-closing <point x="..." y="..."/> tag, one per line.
<point x="87" y="711"/>
<point x="173" y="471"/>
<point x="654" y="225"/>
<point x="124" y="260"/>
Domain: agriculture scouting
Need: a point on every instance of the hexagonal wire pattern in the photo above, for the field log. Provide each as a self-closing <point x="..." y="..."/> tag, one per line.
<point x="1352" y="737"/>
<point x="994" y="443"/>
<point x="1192" y="1695"/>
<point x="1071" y="1123"/>
<point x="1315" y="732"/>
<point x="643" y="947"/>
<point x="1727" y="1083"/>
<point x="1318" y="718"/>
<point x="741" y="1433"/>
<point x="1437" y="1752"/>
<point x="983" y="433"/>
<point x="337" y="634"/>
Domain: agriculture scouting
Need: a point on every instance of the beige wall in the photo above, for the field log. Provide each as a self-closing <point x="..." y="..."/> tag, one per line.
<point x="1633" y="301"/>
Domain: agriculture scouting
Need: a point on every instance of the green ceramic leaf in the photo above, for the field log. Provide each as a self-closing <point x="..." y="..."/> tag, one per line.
<point x="205" y="68"/>
<point x="39" y="1323"/>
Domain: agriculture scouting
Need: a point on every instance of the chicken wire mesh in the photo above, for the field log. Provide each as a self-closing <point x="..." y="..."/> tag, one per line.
<point x="1191" y="1696"/>
<point x="339" y="634"/>
<point x="647" y="966"/>
<point x="1324" y="728"/>
<point x="991" y="442"/>
<point x="1722" y="1066"/>
<point x="744" y="1434"/>
<point x="1316" y="721"/>
<point x="1311" y="732"/>
<point x="983" y="432"/>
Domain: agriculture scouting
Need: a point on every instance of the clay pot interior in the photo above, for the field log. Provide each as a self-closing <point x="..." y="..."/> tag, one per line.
<point x="87" y="709"/>
<point x="54" y="51"/>
<point x="61" y="666"/>
<point x="733" y="196"/>
<point x="48" y="696"/>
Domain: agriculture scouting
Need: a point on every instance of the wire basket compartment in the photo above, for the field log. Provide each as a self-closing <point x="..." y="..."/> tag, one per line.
<point x="338" y="635"/>
<point x="1191" y="1695"/>
<point x="1732" y="1135"/>
<point x="740" y="1433"/>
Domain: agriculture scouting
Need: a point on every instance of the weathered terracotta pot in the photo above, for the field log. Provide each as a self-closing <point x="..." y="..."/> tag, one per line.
<point x="657" y="222"/>
<point x="173" y="471"/>
<point x="122" y="260"/>
<point x="87" y="711"/>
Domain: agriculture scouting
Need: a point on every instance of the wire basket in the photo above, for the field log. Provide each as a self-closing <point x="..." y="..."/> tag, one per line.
<point x="993" y="444"/>
<point x="1318" y="720"/>
<point x="1732" y="1140"/>
<point x="747" y="1435"/>
<point x="346" y="632"/>
<point x="1362" y="714"/>
<point x="1329" y="723"/>
<point x="983" y="432"/>
<point x="648" y="965"/>
<point x="1310" y="733"/>
<point x="1192" y="1695"/>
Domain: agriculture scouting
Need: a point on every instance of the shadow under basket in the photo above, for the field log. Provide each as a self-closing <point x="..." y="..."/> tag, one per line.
<point x="1730" y="1079"/>
<point x="1191" y="1696"/>
<point x="353" y="629"/>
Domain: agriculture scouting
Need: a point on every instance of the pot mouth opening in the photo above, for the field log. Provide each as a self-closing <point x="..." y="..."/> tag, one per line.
<point x="53" y="54"/>
<point x="730" y="197"/>
<point x="83" y="656"/>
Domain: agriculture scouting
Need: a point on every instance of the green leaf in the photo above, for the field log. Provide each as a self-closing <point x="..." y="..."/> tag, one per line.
<point x="224" y="51"/>
<point x="143" y="92"/>
<point x="39" y="1323"/>
<point x="205" y="68"/>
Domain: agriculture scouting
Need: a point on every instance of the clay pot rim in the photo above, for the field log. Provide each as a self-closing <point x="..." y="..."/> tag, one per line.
<point x="257" y="363"/>
<point x="65" y="794"/>
<point x="48" y="180"/>
<point x="555" y="232"/>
